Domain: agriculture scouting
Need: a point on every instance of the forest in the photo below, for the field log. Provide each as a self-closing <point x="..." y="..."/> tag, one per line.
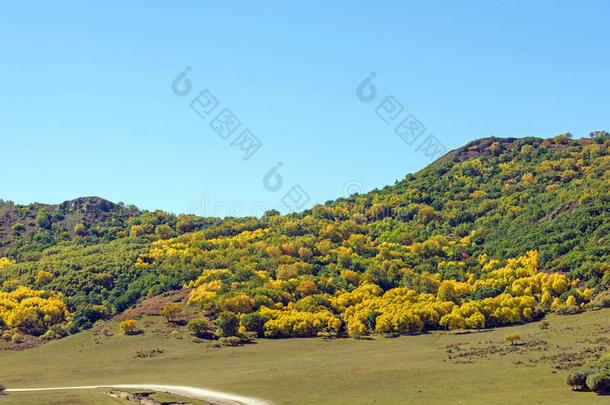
<point x="498" y="232"/>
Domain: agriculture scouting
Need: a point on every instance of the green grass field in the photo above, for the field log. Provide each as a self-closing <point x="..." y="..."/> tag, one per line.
<point x="476" y="368"/>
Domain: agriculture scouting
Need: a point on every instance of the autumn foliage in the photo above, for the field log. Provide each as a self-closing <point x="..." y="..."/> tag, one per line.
<point x="31" y="311"/>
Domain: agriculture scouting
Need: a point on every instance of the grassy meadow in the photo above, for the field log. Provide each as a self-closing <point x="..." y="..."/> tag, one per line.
<point x="439" y="368"/>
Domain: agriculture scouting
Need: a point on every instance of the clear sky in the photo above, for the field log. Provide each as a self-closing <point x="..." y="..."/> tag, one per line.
<point x="87" y="106"/>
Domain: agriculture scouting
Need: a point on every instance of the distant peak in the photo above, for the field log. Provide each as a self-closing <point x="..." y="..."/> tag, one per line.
<point x="89" y="205"/>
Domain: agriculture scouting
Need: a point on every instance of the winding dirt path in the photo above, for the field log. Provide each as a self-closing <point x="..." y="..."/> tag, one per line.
<point x="216" y="397"/>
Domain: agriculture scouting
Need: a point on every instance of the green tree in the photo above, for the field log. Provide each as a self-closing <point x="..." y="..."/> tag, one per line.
<point x="184" y="225"/>
<point x="599" y="134"/>
<point x="198" y="327"/>
<point x="18" y="228"/>
<point x="164" y="232"/>
<point x="228" y="324"/>
<point x="44" y="219"/>
<point x="255" y="322"/>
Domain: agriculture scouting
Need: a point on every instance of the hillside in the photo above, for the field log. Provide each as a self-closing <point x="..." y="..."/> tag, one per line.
<point x="500" y="231"/>
<point x="44" y="225"/>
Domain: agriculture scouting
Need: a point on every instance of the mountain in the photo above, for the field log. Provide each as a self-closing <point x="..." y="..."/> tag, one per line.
<point x="497" y="232"/>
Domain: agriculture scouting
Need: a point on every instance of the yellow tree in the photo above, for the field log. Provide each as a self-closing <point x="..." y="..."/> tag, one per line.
<point x="453" y="321"/>
<point x="307" y="287"/>
<point x="447" y="291"/>
<point x="571" y="300"/>
<point x="170" y="311"/>
<point x="240" y="304"/>
<point x="129" y="327"/>
<point x="5" y="262"/>
<point x="43" y="277"/>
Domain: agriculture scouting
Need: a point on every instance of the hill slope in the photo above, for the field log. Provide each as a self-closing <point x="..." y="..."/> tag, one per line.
<point x="44" y="225"/>
<point x="496" y="232"/>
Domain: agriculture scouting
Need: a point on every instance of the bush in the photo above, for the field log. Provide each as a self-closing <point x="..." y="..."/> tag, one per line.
<point x="198" y="327"/>
<point x="601" y="301"/>
<point x="600" y="383"/>
<point x="255" y="322"/>
<point x="129" y="327"/>
<point x="59" y="330"/>
<point x="49" y="335"/>
<point x="18" y="228"/>
<point x="85" y="316"/>
<point x="44" y="220"/>
<point x="17" y="338"/>
<point x="43" y="277"/>
<point x="228" y="324"/>
<point x="578" y="378"/>
<point x="230" y="341"/>
<point x="106" y="331"/>
<point x="568" y="310"/>
<point x="170" y="311"/>
<point x="164" y="232"/>
<point x="512" y="338"/>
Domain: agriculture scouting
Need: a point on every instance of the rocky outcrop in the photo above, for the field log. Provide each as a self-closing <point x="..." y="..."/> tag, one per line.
<point x="89" y="205"/>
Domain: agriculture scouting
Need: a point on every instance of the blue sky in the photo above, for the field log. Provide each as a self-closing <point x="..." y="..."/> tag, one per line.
<point x="86" y="105"/>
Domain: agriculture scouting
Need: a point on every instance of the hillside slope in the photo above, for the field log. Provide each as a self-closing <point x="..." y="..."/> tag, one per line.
<point x="30" y="228"/>
<point x="496" y="232"/>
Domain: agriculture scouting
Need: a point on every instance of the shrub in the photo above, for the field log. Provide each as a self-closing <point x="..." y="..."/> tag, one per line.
<point x="164" y="232"/>
<point x="17" y="338"/>
<point x="578" y="378"/>
<point x="43" y="277"/>
<point x="85" y="316"/>
<point x="568" y="310"/>
<point x="543" y="324"/>
<point x="49" y="335"/>
<point x="198" y="327"/>
<point x="255" y="322"/>
<point x="59" y="330"/>
<point x="230" y="341"/>
<point x="262" y="300"/>
<point x="228" y="323"/>
<point x="307" y="287"/>
<point x="80" y="229"/>
<point x="18" y="228"/>
<point x="129" y="327"/>
<point x="512" y="338"/>
<point x="601" y="301"/>
<point x="106" y="331"/>
<point x="240" y="304"/>
<point x="600" y="383"/>
<point x="170" y="311"/>
<point x="44" y="220"/>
